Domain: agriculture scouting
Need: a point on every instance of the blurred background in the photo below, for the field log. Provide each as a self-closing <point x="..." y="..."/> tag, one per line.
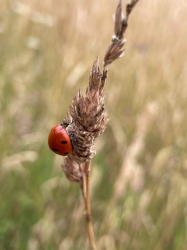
<point x="139" y="174"/>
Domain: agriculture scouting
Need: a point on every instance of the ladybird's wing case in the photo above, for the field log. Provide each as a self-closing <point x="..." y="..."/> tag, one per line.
<point x="59" y="141"/>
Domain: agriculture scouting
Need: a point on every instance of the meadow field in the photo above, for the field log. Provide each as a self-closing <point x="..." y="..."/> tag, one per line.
<point x="139" y="174"/>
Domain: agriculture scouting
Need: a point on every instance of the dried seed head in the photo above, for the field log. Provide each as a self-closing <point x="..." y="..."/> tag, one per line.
<point x="114" y="51"/>
<point x="118" y="21"/>
<point x="87" y="119"/>
<point x="116" y="48"/>
<point x="72" y="169"/>
<point x="95" y="76"/>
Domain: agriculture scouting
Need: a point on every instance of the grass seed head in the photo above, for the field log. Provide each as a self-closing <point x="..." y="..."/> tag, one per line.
<point x="85" y="122"/>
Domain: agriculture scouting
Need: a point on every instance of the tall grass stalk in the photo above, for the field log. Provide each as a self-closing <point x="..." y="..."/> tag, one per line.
<point x="88" y="119"/>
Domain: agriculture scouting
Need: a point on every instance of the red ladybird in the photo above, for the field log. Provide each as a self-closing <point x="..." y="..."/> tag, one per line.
<point x="59" y="141"/>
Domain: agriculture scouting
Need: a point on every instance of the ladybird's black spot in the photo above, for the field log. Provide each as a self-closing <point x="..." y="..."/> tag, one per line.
<point x="64" y="142"/>
<point x="55" y="150"/>
<point x="66" y="153"/>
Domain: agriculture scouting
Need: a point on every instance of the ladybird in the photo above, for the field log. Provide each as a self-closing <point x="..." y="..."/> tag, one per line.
<point x="59" y="141"/>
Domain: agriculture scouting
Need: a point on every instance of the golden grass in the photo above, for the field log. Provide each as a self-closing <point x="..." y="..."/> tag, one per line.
<point x="139" y="188"/>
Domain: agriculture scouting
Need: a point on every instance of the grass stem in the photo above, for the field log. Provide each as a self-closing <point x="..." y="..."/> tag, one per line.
<point x="86" y="196"/>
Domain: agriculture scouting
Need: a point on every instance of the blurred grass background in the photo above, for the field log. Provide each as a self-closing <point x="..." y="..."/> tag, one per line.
<point x="139" y="175"/>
